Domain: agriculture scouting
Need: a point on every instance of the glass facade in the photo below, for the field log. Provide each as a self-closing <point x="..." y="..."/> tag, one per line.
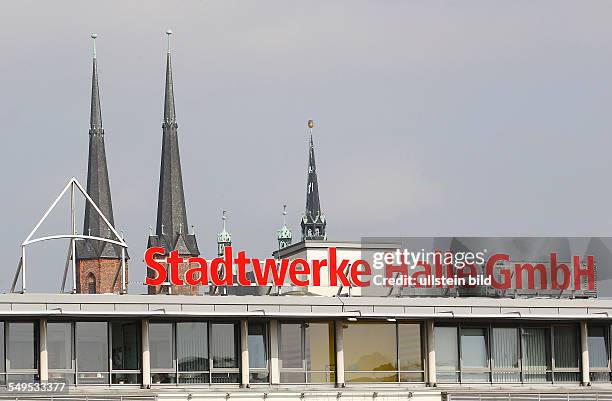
<point x="208" y="352"/>
<point x="194" y="352"/>
<point x="528" y="354"/>
<point x="398" y="358"/>
<point x="307" y="352"/>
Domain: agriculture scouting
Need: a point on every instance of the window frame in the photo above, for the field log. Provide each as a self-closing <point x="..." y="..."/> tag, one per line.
<point x="266" y="334"/>
<point x="212" y="371"/>
<point x="303" y="370"/>
<point x="601" y="370"/>
<point x="8" y="372"/>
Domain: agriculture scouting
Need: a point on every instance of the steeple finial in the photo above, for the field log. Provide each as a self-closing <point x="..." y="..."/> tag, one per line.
<point x="168" y="33"/>
<point x="93" y="37"/>
<point x="284" y="215"/>
<point x="224" y="218"/>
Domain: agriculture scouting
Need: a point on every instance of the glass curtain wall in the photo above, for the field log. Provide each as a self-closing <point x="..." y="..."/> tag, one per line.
<point x="60" y="351"/>
<point x="21" y="351"/>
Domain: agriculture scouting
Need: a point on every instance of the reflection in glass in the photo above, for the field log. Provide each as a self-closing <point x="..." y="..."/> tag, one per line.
<point x="319" y="346"/>
<point x="257" y="344"/>
<point x="92" y="346"/>
<point x="21" y="347"/>
<point x="363" y="356"/>
<point x="224" y="345"/>
<point x="291" y="346"/>
<point x="474" y="347"/>
<point x="161" y="345"/>
<point x="410" y="350"/>
<point x="566" y="352"/>
<point x="192" y="346"/>
<point x="598" y="347"/>
<point x="447" y="355"/>
<point x="125" y="346"/>
<point x="59" y="345"/>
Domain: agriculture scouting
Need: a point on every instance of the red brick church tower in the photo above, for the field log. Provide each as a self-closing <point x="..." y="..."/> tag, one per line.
<point x="99" y="263"/>
<point x="172" y="231"/>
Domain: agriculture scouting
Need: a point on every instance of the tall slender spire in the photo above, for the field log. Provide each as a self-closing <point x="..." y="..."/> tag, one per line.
<point x="98" y="186"/>
<point x="172" y="230"/>
<point x="313" y="222"/>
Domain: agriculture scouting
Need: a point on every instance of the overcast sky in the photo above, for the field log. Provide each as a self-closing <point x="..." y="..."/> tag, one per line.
<point x="432" y="117"/>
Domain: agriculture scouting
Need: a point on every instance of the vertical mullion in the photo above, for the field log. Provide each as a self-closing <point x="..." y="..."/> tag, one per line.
<point x="552" y="352"/>
<point x="458" y="331"/>
<point x="303" y="348"/>
<point x="174" y="332"/>
<point x="109" y="351"/>
<point x="76" y="353"/>
<point x="397" y="358"/>
<point x="210" y="358"/>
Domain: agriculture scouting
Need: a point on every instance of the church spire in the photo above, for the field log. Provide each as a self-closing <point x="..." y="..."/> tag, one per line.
<point x="313" y="222"/>
<point x="98" y="186"/>
<point x="224" y="238"/>
<point x="172" y="231"/>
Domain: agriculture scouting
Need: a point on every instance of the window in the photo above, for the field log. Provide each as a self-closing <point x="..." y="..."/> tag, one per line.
<point x="91" y="283"/>
<point x="307" y="352"/>
<point x="258" y="352"/>
<point x="527" y="354"/>
<point x="536" y="355"/>
<point x="22" y="351"/>
<point x="566" y="352"/>
<point x="161" y="350"/>
<point x="194" y="352"/>
<point x="60" y="351"/>
<point x="474" y="358"/>
<point x="447" y="354"/>
<point x="599" y="353"/>
<point x="125" y="352"/>
<point x="92" y="353"/>
<point x="398" y="358"/>
<point x="505" y="351"/>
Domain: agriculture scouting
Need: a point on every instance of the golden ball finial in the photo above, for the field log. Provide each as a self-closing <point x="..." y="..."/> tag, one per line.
<point x="310" y="124"/>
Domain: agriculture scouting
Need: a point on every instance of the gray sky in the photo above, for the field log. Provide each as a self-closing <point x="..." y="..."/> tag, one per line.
<point x="432" y="117"/>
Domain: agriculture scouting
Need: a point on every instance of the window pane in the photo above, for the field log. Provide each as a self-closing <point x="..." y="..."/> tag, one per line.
<point x="566" y="347"/>
<point x="291" y="346"/>
<point x="474" y="347"/>
<point x="320" y="349"/>
<point x="505" y="354"/>
<point x="370" y="347"/>
<point x="258" y="346"/>
<point x="598" y="347"/>
<point x="410" y="347"/>
<point x="126" y="347"/>
<point x="21" y="349"/>
<point x="447" y="357"/>
<point x="536" y="355"/>
<point x="59" y="345"/>
<point x="192" y="346"/>
<point x="224" y="346"/>
<point x="92" y="346"/>
<point x="161" y="345"/>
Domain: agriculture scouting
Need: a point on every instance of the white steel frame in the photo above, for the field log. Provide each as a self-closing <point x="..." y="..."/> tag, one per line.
<point x="72" y="185"/>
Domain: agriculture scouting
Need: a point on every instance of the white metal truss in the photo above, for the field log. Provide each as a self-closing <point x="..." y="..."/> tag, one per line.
<point x="72" y="185"/>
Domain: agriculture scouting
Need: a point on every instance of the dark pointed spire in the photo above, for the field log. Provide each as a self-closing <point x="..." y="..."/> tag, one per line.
<point x="172" y="231"/>
<point x="98" y="186"/>
<point x="313" y="222"/>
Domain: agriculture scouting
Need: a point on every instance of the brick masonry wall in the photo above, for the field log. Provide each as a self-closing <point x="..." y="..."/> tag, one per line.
<point x="107" y="273"/>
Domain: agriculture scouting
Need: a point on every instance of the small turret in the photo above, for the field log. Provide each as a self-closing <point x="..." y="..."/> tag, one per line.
<point x="223" y="238"/>
<point x="284" y="234"/>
